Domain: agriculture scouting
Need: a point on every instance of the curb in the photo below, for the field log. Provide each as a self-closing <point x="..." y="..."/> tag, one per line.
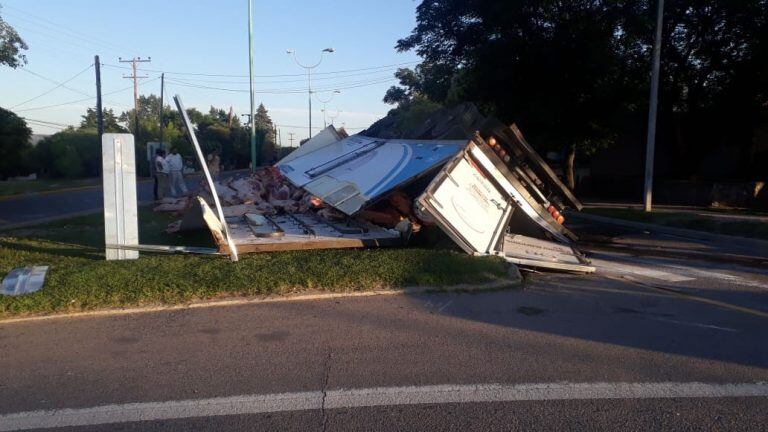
<point x="462" y="288"/>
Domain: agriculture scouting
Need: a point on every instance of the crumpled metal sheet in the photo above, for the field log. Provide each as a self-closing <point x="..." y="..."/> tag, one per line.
<point x="352" y="173"/>
<point x="24" y="280"/>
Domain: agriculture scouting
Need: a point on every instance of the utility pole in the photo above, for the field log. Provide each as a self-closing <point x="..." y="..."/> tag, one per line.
<point x="135" y="79"/>
<point x="254" y="153"/>
<point x="290" y="138"/>
<point x="99" y="112"/>
<point x="162" y="89"/>
<point x="652" y="111"/>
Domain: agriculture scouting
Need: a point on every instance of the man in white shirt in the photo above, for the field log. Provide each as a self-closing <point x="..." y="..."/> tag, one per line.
<point x="161" y="174"/>
<point x="175" y="167"/>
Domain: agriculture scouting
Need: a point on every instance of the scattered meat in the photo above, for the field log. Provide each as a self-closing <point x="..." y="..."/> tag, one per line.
<point x="266" y="191"/>
<point x="389" y="213"/>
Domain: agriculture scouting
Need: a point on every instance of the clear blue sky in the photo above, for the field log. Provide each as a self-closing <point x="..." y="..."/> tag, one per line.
<point x="208" y="37"/>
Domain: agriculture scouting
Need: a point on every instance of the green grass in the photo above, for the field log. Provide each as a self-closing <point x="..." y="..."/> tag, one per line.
<point x="80" y="279"/>
<point x="17" y="187"/>
<point x="711" y="224"/>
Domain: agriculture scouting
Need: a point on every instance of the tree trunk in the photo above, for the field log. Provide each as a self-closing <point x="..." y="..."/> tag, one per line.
<point x="569" y="167"/>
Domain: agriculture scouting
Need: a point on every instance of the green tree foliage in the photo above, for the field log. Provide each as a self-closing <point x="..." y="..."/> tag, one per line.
<point x="111" y="122"/>
<point x="575" y="73"/>
<point x="11" y="45"/>
<point x="14" y="144"/>
<point x="71" y="153"/>
<point x="265" y="135"/>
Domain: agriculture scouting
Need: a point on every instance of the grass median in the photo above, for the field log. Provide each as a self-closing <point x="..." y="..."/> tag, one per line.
<point x="712" y="222"/>
<point x="20" y="187"/>
<point x="79" y="278"/>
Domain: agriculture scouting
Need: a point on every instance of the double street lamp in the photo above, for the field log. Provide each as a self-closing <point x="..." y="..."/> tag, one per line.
<point x="309" y="78"/>
<point x="325" y="103"/>
<point x="332" y="117"/>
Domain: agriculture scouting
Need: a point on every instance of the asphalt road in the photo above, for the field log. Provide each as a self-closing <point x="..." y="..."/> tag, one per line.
<point x="32" y="207"/>
<point x="647" y="345"/>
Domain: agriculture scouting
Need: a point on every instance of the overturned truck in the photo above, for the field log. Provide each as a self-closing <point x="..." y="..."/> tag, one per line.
<point x="476" y="179"/>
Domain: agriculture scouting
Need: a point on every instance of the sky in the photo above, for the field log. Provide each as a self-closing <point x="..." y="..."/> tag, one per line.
<point x="202" y="46"/>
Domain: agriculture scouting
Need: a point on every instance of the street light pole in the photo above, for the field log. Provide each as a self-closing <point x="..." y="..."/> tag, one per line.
<point x="334" y="117"/>
<point x="254" y="154"/>
<point x="309" y="78"/>
<point x="325" y="105"/>
<point x="652" y="111"/>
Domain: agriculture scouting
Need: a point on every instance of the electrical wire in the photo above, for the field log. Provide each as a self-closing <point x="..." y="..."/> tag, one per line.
<point x="263" y="76"/>
<point x="55" y="82"/>
<point x="61" y="84"/>
<point x="343" y="86"/>
<point x="89" y="98"/>
<point x="74" y="33"/>
<point x="300" y="80"/>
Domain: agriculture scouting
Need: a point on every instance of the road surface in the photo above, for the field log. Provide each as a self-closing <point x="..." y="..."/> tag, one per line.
<point x="43" y="207"/>
<point x="645" y="345"/>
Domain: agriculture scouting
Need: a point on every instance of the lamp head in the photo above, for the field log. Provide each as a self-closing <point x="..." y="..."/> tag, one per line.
<point x="329" y="50"/>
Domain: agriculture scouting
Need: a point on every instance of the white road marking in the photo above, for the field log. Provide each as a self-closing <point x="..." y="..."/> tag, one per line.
<point x="694" y="324"/>
<point x="371" y="397"/>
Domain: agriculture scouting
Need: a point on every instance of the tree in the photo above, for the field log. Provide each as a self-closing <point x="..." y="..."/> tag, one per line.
<point x="11" y="45"/>
<point x="265" y="131"/>
<point x="71" y="153"/>
<point x="553" y="67"/>
<point x="575" y="74"/>
<point x="90" y="121"/>
<point x="14" y="144"/>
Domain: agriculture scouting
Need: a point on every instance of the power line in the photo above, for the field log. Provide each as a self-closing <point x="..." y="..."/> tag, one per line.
<point x="56" y="105"/>
<point x="54" y="88"/>
<point x="56" y="82"/>
<point x="266" y="76"/>
<point x="88" y="38"/>
<point x="343" y="86"/>
<point x="89" y="98"/>
<point x="388" y="72"/>
<point x="45" y="121"/>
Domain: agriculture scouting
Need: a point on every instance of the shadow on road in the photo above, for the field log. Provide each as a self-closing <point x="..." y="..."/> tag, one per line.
<point x="614" y="312"/>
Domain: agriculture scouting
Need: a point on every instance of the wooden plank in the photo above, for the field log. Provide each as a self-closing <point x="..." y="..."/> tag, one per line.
<point x="322" y="243"/>
<point x="514" y="137"/>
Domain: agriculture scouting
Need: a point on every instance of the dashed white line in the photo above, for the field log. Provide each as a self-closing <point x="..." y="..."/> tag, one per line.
<point x="371" y="397"/>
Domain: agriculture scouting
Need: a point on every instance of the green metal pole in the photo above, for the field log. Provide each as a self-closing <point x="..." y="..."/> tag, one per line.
<point x="254" y="153"/>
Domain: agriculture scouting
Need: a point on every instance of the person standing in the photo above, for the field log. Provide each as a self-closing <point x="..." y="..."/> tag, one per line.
<point x="176" y="167"/>
<point x="161" y="175"/>
<point x="214" y="164"/>
<point x="153" y="175"/>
